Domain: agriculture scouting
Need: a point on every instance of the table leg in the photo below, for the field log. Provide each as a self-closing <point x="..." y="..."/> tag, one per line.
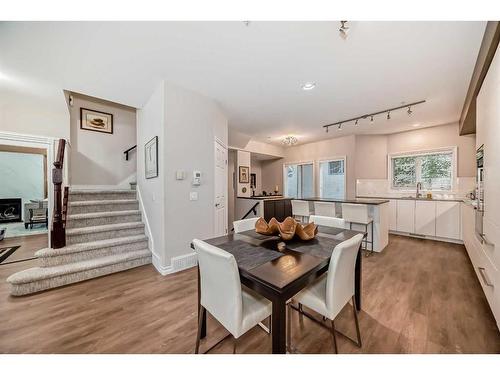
<point x="357" y="279"/>
<point x="279" y="327"/>
<point x="203" y="331"/>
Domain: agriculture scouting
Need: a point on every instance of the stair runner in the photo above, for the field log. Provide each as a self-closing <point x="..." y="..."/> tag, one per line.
<point x="104" y="234"/>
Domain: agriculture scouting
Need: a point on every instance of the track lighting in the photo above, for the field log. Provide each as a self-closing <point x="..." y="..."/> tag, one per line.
<point x="343" y="29"/>
<point x="371" y="115"/>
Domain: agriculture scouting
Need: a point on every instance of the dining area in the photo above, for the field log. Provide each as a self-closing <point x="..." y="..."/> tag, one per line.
<point x="261" y="278"/>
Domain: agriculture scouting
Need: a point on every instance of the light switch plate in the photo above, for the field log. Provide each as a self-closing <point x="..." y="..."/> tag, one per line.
<point x="193" y="196"/>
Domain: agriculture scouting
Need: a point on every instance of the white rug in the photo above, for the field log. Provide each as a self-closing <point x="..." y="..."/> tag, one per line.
<point x="18" y="230"/>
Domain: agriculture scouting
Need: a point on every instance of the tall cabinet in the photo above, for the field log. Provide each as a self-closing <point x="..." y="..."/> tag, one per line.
<point x="487" y="262"/>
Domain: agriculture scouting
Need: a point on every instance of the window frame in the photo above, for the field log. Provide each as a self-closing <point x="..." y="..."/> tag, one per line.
<point x="327" y="160"/>
<point x="416" y="153"/>
<point x="307" y="162"/>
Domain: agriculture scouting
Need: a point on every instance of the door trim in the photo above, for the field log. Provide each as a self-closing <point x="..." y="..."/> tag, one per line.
<point x="218" y="141"/>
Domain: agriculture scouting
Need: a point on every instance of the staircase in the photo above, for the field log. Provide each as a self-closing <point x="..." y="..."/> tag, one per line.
<point x="104" y="234"/>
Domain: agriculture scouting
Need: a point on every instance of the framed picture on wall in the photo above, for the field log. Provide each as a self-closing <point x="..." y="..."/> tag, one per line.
<point x="253" y="180"/>
<point x="244" y="175"/>
<point x="96" y="121"/>
<point x="151" y="158"/>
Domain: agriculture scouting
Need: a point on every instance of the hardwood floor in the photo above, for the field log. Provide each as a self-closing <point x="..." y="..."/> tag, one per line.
<point x="29" y="244"/>
<point x="419" y="296"/>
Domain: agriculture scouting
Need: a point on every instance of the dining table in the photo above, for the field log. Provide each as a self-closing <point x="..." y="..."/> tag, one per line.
<point x="278" y="275"/>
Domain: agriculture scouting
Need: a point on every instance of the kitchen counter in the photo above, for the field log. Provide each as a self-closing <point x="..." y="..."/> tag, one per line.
<point x="360" y="200"/>
<point x="265" y="197"/>
<point x="418" y="199"/>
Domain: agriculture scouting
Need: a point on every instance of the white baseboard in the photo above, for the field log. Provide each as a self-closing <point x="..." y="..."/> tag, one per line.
<point x="147" y="229"/>
<point x="177" y="264"/>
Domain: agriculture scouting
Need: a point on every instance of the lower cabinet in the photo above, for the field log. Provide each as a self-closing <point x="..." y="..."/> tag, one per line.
<point x="393" y="214"/>
<point x="406" y="216"/>
<point x="425" y="218"/>
<point x="448" y="220"/>
<point x="277" y="208"/>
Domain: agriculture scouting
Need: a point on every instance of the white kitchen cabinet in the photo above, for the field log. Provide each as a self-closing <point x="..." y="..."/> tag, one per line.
<point x="406" y="216"/>
<point x="448" y="220"/>
<point x="425" y="218"/>
<point x="393" y="214"/>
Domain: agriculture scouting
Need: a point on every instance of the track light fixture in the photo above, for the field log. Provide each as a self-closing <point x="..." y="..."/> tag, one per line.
<point x="371" y="115"/>
<point x="343" y="29"/>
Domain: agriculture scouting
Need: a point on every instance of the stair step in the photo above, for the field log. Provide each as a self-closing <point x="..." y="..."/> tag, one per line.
<point x="89" y="195"/>
<point x="103" y="232"/>
<point x="89" y="250"/>
<point x="41" y="278"/>
<point x="102" y="218"/>
<point x="82" y="207"/>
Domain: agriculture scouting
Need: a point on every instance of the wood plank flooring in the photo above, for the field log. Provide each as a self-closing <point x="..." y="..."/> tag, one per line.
<point x="419" y="296"/>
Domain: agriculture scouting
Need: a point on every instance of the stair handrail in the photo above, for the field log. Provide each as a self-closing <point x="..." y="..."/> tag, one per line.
<point x="249" y="211"/>
<point x="58" y="230"/>
<point x="126" y="152"/>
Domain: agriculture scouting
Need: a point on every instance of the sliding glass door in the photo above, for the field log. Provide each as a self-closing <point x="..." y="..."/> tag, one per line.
<point x="299" y="180"/>
<point x="332" y="178"/>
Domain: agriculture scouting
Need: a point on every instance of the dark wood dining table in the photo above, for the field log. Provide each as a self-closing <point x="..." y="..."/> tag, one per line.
<point x="279" y="275"/>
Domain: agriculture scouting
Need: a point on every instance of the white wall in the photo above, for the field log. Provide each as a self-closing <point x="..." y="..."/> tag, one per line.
<point x="151" y="123"/>
<point x="192" y="123"/>
<point x="97" y="158"/>
<point x="256" y="168"/>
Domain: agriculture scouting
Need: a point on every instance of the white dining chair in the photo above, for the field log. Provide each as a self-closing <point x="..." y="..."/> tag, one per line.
<point x="244" y="225"/>
<point x="324" y="209"/>
<point x="358" y="214"/>
<point x="237" y="309"/>
<point x="333" y="222"/>
<point x="301" y="209"/>
<point x="331" y="292"/>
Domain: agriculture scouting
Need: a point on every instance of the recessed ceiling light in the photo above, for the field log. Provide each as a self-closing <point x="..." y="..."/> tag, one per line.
<point x="308" y="86"/>
<point x="415" y="125"/>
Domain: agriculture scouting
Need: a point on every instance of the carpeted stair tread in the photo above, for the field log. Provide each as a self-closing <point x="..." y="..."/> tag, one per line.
<point x="93" y="215"/>
<point x="100" y="191"/>
<point x="41" y="273"/>
<point x="102" y="202"/>
<point x="87" y="246"/>
<point x="103" y="228"/>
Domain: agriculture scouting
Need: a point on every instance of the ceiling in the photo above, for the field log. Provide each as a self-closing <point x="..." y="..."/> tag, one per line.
<point x="256" y="72"/>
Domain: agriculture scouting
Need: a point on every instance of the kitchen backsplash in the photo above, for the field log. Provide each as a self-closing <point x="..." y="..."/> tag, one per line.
<point x="381" y="188"/>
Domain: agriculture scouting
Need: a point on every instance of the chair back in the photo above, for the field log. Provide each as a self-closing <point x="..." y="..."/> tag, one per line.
<point x="355" y="213"/>
<point x="324" y="209"/>
<point x="220" y="285"/>
<point x="300" y="208"/>
<point x="333" y="222"/>
<point x="244" y="225"/>
<point x="340" y="278"/>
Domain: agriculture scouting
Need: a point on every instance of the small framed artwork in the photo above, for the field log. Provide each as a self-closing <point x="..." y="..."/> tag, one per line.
<point x="244" y="175"/>
<point x="151" y="158"/>
<point x="253" y="180"/>
<point x="96" y="121"/>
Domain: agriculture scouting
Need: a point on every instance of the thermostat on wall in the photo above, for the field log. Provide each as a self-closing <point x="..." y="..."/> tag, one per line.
<point x="196" y="178"/>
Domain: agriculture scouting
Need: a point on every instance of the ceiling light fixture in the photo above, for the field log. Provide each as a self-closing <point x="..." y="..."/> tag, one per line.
<point x="340" y="127"/>
<point x="343" y="29"/>
<point x="308" y="86"/>
<point x="289" y="140"/>
<point x="371" y="115"/>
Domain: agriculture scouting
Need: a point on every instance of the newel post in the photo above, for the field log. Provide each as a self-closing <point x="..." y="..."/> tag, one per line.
<point x="58" y="232"/>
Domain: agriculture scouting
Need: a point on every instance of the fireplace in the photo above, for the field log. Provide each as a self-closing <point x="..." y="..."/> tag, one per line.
<point x="10" y="210"/>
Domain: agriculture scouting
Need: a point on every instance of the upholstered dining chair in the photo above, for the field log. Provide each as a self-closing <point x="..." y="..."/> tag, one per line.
<point x="325" y="209"/>
<point x="301" y="209"/>
<point x="244" y="225"/>
<point x="327" y="221"/>
<point x="330" y="293"/>
<point x="237" y="309"/>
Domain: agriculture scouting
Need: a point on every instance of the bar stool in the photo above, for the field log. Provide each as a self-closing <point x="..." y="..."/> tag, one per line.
<point x="324" y="209"/>
<point x="301" y="208"/>
<point x="358" y="214"/>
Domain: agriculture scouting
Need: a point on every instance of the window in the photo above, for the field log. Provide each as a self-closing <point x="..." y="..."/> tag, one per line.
<point x="433" y="170"/>
<point x="332" y="179"/>
<point x="299" y="180"/>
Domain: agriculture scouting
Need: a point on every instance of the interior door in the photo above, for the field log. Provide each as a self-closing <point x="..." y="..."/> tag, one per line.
<point x="220" y="210"/>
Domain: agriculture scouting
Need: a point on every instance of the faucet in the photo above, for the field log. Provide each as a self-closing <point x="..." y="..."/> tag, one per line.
<point x="419" y="187"/>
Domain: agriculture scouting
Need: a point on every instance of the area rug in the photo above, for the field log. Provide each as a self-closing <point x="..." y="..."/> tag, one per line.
<point x="6" y="252"/>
